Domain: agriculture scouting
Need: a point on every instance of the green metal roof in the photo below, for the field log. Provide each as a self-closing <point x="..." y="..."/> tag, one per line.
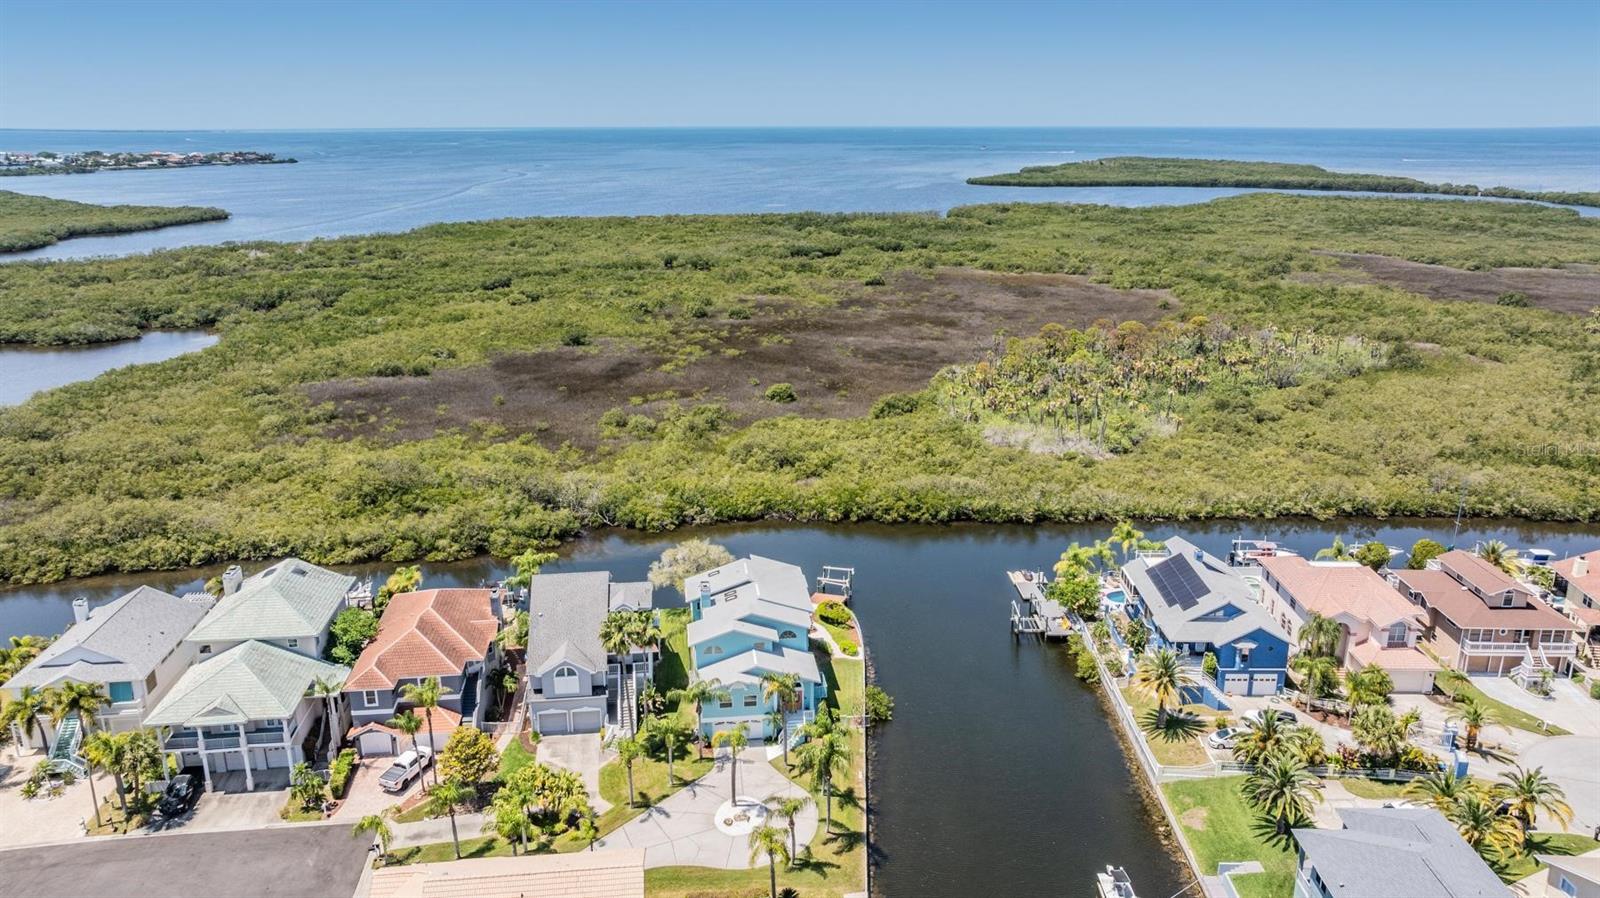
<point x="251" y="681"/>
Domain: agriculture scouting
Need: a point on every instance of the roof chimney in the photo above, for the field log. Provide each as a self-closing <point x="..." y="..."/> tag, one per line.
<point x="231" y="579"/>
<point x="1580" y="566"/>
<point x="80" y="610"/>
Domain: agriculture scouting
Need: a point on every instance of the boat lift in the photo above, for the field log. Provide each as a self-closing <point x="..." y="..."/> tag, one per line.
<point x="838" y="577"/>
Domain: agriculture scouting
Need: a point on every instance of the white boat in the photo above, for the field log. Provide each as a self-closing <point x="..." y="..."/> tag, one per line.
<point x="1114" y="883"/>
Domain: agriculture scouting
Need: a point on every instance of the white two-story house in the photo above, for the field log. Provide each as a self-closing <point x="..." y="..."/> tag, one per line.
<point x="246" y="705"/>
<point x="133" y="647"/>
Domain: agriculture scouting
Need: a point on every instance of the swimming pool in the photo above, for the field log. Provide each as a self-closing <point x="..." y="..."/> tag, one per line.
<point x="1115" y="597"/>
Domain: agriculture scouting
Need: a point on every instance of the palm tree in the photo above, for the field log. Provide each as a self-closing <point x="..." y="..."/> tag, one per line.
<point x="1529" y="792"/>
<point x="825" y="756"/>
<point x="425" y="695"/>
<point x="1336" y="552"/>
<point x="328" y="689"/>
<point x="628" y="751"/>
<point x="1126" y="538"/>
<point x="1281" y="787"/>
<point x="83" y="699"/>
<point x="1319" y="674"/>
<point x="647" y="635"/>
<point x="789" y="807"/>
<point x="514" y="636"/>
<point x="109" y="752"/>
<point x="1370" y="685"/>
<point x="1503" y="557"/>
<point x="1375" y="730"/>
<point x="736" y="740"/>
<point x="378" y="828"/>
<point x="671" y="735"/>
<point x="1261" y="738"/>
<point x="783" y="691"/>
<point x="698" y="693"/>
<point x="1441" y="789"/>
<point x="769" y="840"/>
<point x="1481" y="825"/>
<point x="443" y="799"/>
<point x="508" y="817"/>
<point x="25" y="710"/>
<point x="1161" y="676"/>
<point x="407" y="722"/>
<point x="616" y="634"/>
<point x="1320" y="635"/>
<point x="1474" y="716"/>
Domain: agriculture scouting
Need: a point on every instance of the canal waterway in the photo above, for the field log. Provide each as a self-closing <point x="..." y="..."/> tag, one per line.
<point x="1000" y="773"/>
<point x="26" y="370"/>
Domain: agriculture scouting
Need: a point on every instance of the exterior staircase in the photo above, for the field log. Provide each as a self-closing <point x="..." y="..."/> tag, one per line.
<point x="628" y="706"/>
<point x="64" y="755"/>
<point x="1534" y="664"/>
<point x="793" y="727"/>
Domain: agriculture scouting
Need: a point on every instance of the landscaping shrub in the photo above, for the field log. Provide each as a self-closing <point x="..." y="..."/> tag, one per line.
<point x="834" y="613"/>
<point x="1087" y="672"/>
<point x="781" y="393"/>
<point x="849" y="647"/>
<point x="339" y="772"/>
<point x="1208" y="665"/>
<point x="896" y="404"/>
<point x="880" y="706"/>
<point x="1594" y="690"/>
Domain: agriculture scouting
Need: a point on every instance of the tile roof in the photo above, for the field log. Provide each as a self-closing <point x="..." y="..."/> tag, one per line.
<point x="1589" y="583"/>
<point x="617" y="873"/>
<point x="432" y="633"/>
<point x="1463" y="607"/>
<point x="1400" y="658"/>
<point x="123" y="640"/>
<point x="251" y="681"/>
<point x="289" y="599"/>
<point x="1413" y="852"/>
<point x="1332" y="588"/>
<point x="1218" y="586"/>
<point x="445" y="722"/>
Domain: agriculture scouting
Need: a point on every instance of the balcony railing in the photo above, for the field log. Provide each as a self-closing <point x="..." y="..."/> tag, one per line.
<point x="1488" y="647"/>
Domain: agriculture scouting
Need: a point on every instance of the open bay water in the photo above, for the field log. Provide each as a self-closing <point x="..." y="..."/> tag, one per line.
<point x="354" y="182"/>
<point x="1000" y="774"/>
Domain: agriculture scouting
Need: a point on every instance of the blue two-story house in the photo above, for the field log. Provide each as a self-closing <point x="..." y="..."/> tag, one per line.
<point x="748" y="618"/>
<point x="1194" y="604"/>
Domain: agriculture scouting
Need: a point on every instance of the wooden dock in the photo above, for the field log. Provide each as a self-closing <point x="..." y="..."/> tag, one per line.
<point x="1032" y="612"/>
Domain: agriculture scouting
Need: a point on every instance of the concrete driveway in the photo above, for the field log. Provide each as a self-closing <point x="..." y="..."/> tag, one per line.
<point x="42" y="820"/>
<point x="684" y="829"/>
<point x="366" y="797"/>
<point x="1567" y="706"/>
<point x="234" y="808"/>
<point x="584" y="755"/>
<point x="1574" y="763"/>
<point x="303" y="861"/>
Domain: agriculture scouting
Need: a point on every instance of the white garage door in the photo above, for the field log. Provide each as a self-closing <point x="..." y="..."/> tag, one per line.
<point x="1263" y="684"/>
<point x="376" y="745"/>
<point x="553" y="723"/>
<point x="588" y="720"/>
<point x="1236" y="684"/>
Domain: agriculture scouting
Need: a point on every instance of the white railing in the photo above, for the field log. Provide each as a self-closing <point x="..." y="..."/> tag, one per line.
<point x="1484" y="646"/>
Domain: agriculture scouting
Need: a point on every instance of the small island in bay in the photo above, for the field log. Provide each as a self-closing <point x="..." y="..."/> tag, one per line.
<point x="48" y="163"/>
<point x="29" y="222"/>
<point x="1154" y="171"/>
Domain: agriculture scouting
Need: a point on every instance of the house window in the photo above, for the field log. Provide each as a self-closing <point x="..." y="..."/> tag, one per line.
<point x="150" y="682"/>
<point x="293" y="643"/>
<point x="713" y="650"/>
<point x="1397" y="636"/>
<point x="750" y="700"/>
<point x="1506" y="600"/>
<point x="370" y="698"/>
<point x="788" y="634"/>
<point x="205" y="649"/>
<point x="726" y="702"/>
<point x="120" y="692"/>
<point x="566" y="680"/>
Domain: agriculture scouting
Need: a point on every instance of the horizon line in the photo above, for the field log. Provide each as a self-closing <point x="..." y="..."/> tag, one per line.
<point x="459" y="128"/>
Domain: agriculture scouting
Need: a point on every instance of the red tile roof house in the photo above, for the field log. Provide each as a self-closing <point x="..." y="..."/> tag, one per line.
<point x="1379" y="625"/>
<point x="1578" y="583"/>
<point x="1483" y="621"/>
<point x="444" y="633"/>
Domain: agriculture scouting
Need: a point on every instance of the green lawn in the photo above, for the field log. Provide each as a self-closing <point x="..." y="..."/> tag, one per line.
<point x="514" y="758"/>
<point x="1504" y="713"/>
<point x="475" y="846"/>
<point x="1178" y="745"/>
<point x="1375" y="789"/>
<point x="1221" y="827"/>
<point x="1565" y="844"/>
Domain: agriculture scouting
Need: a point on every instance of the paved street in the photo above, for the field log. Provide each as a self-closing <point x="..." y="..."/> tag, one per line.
<point x="1574" y="763"/>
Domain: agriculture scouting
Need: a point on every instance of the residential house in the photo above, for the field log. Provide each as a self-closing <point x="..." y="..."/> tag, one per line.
<point x="1194" y="604"/>
<point x="1378" y="625"/>
<point x="246" y="705"/>
<point x="748" y="618"/>
<point x="1383" y="852"/>
<point x="1567" y="877"/>
<point x="444" y="633"/>
<point x="132" y="646"/>
<point x="1481" y="620"/>
<point x="1577" y="585"/>
<point x="574" y="686"/>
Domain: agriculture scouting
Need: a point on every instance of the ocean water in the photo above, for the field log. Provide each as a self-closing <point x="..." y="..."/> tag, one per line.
<point x="353" y="182"/>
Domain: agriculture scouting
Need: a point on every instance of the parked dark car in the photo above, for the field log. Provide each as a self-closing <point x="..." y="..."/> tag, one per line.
<point x="180" y="795"/>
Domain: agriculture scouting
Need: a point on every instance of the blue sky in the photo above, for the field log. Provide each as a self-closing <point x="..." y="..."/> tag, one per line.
<point x="135" y="65"/>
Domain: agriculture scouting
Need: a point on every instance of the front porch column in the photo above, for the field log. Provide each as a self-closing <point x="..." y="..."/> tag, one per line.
<point x="244" y="752"/>
<point x="205" y="760"/>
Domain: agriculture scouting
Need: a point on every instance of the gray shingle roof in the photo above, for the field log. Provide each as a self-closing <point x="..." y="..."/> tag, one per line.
<point x="747" y="667"/>
<point x="635" y="596"/>
<point x="289" y="599"/>
<point x="565" y="612"/>
<point x="1384" y="852"/>
<point x="747" y="589"/>
<point x="123" y="640"/>
<point x="251" y="681"/>
<point x="1220" y="587"/>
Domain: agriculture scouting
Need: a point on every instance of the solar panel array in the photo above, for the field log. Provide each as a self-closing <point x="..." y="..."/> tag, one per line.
<point x="1178" y="582"/>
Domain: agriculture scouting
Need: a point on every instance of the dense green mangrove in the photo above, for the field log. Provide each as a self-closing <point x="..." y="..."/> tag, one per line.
<point x="1308" y="392"/>
<point x="29" y="222"/>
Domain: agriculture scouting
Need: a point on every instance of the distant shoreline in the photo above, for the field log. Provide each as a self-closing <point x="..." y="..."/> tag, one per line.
<point x="29" y="222"/>
<point x="91" y="161"/>
<point x="1158" y="171"/>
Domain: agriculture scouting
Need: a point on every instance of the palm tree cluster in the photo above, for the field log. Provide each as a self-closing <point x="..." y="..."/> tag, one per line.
<point x="1161" y="676"/>
<point x="538" y="801"/>
<point x="19" y="651"/>
<point x="1316" y="663"/>
<point x="1494" y="818"/>
<point x="826" y="755"/>
<point x="1281" y="785"/>
<point x="622" y="632"/>
<point x="1111" y="384"/>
